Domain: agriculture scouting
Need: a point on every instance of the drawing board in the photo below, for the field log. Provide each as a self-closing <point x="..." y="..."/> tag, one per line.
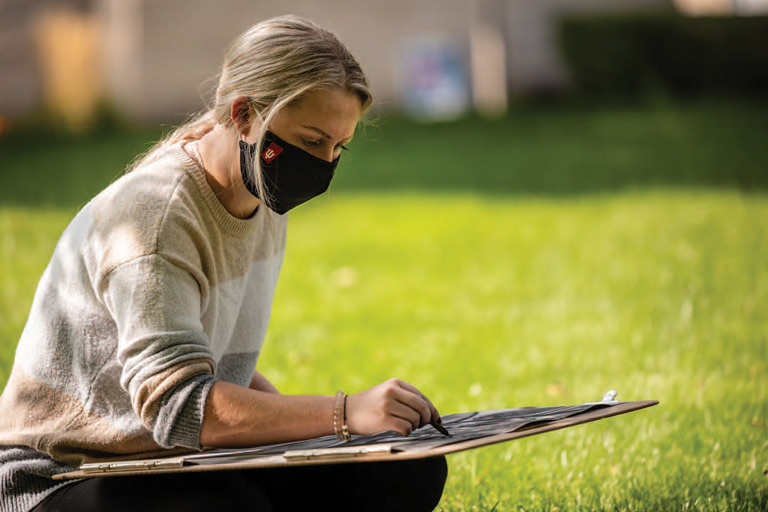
<point x="468" y="430"/>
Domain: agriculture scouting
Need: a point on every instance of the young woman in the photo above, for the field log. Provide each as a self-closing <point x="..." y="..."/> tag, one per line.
<point x="147" y="323"/>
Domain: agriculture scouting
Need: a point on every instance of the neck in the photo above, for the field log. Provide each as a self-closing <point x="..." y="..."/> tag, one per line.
<point x="220" y="153"/>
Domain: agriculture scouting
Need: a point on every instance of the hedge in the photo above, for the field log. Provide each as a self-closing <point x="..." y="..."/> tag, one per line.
<point x="629" y="55"/>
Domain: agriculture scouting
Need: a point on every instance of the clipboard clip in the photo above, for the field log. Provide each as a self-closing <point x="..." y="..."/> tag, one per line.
<point x="114" y="467"/>
<point x="340" y="452"/>
<point x="609" y="398"/>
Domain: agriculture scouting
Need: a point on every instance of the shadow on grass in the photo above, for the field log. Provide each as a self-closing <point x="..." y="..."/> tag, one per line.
<point x="65" y="171"/>
<point x="563" y="150"/>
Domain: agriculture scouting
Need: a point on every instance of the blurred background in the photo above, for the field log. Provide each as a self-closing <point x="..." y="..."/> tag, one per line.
<point x="550" y="199"/>
<point x="153" y="61"/>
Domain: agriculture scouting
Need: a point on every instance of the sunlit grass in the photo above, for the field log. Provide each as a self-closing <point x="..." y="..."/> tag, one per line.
<point x="487" y="304"/>
<point x="560" y="271"/>
<point x="27" y="239"/>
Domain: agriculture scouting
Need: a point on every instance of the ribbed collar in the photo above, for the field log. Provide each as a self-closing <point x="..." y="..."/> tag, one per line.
<point x="227" y="221"/>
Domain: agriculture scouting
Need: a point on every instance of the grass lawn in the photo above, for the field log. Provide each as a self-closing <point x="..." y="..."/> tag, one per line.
<point x="488" y="283"/>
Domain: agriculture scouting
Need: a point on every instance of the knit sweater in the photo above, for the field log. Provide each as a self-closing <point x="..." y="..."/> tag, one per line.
<point x="154" y="292"/>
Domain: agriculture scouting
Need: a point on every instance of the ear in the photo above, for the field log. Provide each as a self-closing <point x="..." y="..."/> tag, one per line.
<point x="241" y="115"/>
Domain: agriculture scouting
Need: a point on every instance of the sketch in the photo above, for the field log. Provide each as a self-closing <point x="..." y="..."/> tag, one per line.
<point x="462" y="427"/>
<point x="468" y="430"/>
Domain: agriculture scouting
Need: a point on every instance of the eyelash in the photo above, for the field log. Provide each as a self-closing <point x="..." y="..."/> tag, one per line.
<point x="314" y="144"/>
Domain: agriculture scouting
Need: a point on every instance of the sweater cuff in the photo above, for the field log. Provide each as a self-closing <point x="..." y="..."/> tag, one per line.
<point x="186" y="407"/>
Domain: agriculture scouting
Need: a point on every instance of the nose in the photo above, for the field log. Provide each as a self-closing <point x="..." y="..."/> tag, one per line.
<point x="327" y="154"/>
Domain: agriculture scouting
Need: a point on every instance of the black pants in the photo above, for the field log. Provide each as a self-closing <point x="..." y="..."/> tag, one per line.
<point x="402" y="486"/>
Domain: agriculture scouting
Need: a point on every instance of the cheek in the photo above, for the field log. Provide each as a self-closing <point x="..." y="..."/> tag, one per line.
<point x="281" y="125"/>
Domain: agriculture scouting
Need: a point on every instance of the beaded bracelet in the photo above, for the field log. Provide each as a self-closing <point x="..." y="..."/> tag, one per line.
<point x="340" y="427"/>
<point x="344" y="426"/>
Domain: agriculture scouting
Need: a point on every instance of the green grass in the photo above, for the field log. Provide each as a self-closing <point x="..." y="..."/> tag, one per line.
<point x="490" y="284"/>
<point x="489" y="303"/>
<point x="533" y="151"/>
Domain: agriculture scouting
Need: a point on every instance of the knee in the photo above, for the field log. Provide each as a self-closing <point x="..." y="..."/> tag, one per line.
<point x="438" y="469"/>
<point x="427" y="480"/>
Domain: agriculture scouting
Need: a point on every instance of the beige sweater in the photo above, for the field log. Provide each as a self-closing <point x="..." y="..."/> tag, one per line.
<point x="153" y="292"/>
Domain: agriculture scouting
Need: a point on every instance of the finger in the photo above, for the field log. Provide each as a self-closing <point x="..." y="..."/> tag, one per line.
<point x="432" y="414"/>
<point x="415" y="401"/>
<point x="401" y="426"/>
<point x="402" y="411"/>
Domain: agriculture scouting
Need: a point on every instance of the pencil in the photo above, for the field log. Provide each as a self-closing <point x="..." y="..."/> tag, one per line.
<point x="438" y="424"/>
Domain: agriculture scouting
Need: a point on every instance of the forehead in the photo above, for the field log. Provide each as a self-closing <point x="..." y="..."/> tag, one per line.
<point x="335" y="111"/>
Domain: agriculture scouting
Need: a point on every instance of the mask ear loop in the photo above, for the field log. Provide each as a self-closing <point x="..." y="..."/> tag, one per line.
<point x="252" y="157"/>
<point x="258" y="123"/>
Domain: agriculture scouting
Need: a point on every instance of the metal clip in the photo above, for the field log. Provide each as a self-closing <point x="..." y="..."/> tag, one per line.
<point x="340" y="452"/>
<point x="609" y="398"/>
<point x="110" y="467"/>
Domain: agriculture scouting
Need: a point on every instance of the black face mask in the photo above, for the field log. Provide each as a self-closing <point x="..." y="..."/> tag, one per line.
<point x="291" y="175"/>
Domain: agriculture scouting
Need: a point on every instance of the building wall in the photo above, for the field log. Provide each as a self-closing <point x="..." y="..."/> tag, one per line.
<point x="181" y="49"/>
<point x="160" y="57"/>
<point x="22" y="71"/>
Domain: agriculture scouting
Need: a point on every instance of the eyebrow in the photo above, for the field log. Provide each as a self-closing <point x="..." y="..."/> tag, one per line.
<point x="321" y="132"/>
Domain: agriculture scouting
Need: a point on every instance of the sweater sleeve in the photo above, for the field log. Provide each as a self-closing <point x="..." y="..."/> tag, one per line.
<point x="167" y="364"/>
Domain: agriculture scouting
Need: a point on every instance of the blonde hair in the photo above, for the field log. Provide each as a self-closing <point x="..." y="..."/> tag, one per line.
<point x="273" y="64"/>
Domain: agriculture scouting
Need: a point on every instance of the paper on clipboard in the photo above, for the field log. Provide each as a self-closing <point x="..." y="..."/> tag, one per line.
<point x="468" y="430"/>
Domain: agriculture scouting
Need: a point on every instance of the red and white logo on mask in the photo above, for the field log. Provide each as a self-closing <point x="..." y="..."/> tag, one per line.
<point x="271" y="153"/>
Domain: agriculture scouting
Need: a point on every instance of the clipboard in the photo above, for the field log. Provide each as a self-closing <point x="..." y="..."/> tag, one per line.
<point x="490" y="427"/>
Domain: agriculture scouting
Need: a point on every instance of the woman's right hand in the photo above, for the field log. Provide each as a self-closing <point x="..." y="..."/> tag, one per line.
<point x="392" y="405"/>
